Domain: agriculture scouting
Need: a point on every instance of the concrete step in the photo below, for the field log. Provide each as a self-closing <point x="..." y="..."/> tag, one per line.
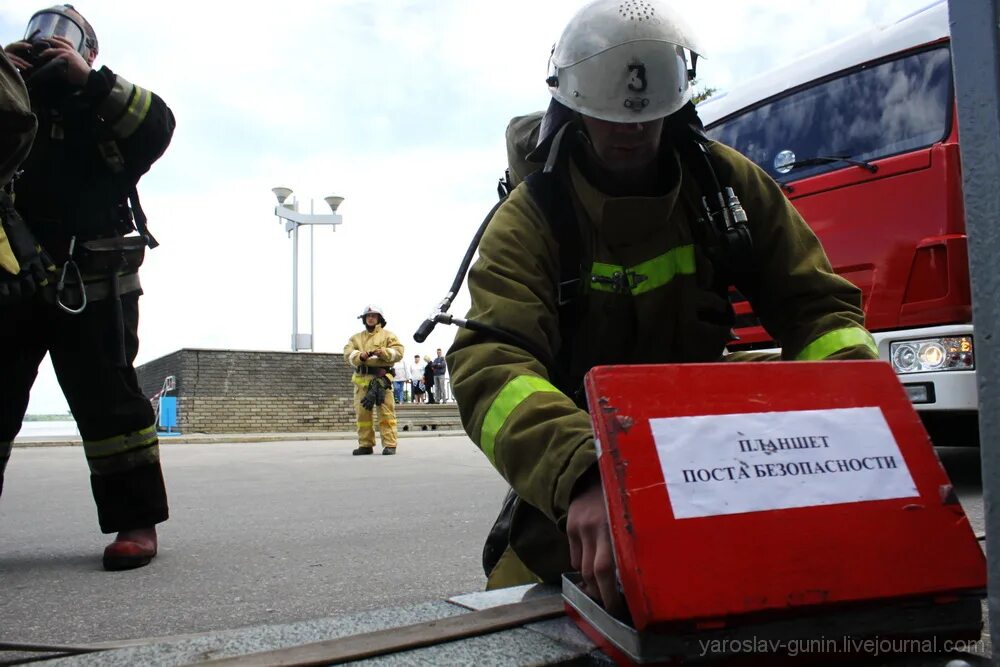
<point x="439" y="409"/>
<point x="427" y="417"/>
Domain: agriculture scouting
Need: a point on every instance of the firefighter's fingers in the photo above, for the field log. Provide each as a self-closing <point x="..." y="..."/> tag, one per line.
<point x="18" y="47"/>
<point x="57" y="50"/>
<point x="587" y="551"/>
<point x="606" y="575"/>
<point x="62" y="41"/>
<point x="19" y="63"/>
<point x="585" y="521"/>
<point x="575" y="547"/>
<point x="16" y="51"/>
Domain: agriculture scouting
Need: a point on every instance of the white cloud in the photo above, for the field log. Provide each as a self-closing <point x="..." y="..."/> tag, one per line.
<point x="400" y="106"/>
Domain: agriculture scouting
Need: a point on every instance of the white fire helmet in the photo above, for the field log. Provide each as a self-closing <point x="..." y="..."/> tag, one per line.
<point x="624" y="61"/>
<point x="369" y="310"/>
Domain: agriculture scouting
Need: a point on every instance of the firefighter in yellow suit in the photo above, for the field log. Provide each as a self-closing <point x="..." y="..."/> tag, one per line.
<point x="372" y="353"/>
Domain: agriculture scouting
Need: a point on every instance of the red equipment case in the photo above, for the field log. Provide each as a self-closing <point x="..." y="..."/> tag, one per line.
<point x="756" y="495"/>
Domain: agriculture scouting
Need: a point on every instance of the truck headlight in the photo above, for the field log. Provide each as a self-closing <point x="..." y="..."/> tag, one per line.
<point x="932" y="354"/>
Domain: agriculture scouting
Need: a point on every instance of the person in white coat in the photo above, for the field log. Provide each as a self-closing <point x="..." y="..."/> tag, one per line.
<point x="415" y="371"/>
<point x="401" y="378"/>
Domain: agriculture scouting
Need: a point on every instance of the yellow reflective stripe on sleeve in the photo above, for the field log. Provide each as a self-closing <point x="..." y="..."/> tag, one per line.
<point x="512" y="395"/>
<point x="836" y="340"/>
<point x="119" y="443"/>
<point x="138" y="108"/>
<point x="645" y="276"/>
<point x="117" y="100"/>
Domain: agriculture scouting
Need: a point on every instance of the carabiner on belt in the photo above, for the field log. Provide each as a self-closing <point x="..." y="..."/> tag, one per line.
<point x="61" y="285"/>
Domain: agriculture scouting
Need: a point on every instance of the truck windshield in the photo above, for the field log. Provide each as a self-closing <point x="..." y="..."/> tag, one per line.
<point x="866" y="114"/>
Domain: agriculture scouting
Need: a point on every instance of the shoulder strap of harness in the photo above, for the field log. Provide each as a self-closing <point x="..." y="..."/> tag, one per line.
<point x="140" y="218"/>
<point x="553" y="199"/>
<point x="115" y="161"/>
<point x="550" y="196"/>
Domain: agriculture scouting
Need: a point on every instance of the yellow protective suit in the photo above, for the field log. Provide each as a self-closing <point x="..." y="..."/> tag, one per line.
<point x="391" y="351"/>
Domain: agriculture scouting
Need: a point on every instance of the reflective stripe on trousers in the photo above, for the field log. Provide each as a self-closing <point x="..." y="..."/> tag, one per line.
<point x="123" y="452"/>
<point x="834" y="341"/>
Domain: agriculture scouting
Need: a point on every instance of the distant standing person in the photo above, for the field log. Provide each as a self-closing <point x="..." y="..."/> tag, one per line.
<point x="429" y="379"/>
<point x="400" y="377"/>
<point x="416" y="374"/>
<point x="372" y="353"/>
<point x="440" y="368"/>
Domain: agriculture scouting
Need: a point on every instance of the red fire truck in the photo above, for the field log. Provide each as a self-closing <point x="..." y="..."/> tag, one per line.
<point x="863" y="138"/>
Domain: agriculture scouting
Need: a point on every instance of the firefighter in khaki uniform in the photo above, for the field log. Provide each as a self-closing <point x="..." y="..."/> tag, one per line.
<point x="648" y="286"/>
<point x="372" y="353"/>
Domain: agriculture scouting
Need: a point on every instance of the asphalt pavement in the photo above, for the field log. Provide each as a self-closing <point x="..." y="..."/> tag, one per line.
<point x="261" y="533"/>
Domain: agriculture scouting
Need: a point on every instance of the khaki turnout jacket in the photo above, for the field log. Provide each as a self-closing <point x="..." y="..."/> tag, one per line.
<point x="535" y="435"/>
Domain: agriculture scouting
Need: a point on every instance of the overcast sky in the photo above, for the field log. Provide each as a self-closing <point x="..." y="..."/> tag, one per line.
<point x="399" y="106"/>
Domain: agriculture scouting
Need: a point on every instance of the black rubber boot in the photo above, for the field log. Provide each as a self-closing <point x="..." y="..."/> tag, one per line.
<point x="388" y="451"/>
<point x="363" y="450"/>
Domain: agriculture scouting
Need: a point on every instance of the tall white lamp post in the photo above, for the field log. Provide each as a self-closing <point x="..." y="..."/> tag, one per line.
<point x="289" y="212"/>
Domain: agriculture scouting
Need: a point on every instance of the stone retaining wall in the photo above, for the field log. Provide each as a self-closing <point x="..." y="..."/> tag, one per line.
<point x="232" y="391"/>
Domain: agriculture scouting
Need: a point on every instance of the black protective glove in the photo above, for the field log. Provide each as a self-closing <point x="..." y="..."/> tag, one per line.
<point x="35" y="262"/>
<point x="376" y="393"/>
<point x="374" y="396"/>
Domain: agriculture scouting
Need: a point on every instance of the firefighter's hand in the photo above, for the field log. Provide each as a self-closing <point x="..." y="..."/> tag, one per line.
<point x="77" y="69"/>
<point x="365" y="355"/>
<point x="590" y="547"/>
<point x="13" y="50"/>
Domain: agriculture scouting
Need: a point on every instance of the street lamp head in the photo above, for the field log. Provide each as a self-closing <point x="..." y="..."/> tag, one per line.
<point x="282" y="194"/>
<point x="334" y="202"/>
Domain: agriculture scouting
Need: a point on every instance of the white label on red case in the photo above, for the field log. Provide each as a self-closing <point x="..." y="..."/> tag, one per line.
<point x="736" y="463"/>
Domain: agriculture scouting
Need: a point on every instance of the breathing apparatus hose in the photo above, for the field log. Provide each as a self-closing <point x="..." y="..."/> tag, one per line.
<point x="441" y="315"/>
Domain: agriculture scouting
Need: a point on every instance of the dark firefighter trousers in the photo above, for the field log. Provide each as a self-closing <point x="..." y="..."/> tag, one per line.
<point x="115" y="419"/>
